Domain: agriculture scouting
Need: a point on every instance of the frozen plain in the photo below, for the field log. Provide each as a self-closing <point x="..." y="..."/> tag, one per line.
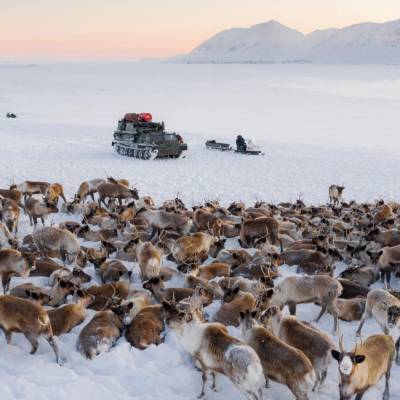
<point x="317" y="124"/>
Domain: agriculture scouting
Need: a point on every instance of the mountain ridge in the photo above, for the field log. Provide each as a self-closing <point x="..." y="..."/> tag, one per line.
<point x="273" y="42"/>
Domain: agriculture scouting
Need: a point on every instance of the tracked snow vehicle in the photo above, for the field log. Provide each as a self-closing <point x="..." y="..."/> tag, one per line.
<point x="138" y="136"/>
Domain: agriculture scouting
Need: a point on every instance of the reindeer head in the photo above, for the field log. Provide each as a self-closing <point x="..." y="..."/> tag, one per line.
<point x="393" y="315"/>
<point x="271" y="318"/>
<point x="247" y="320"/>
<point x="134" y="193"/>
<point x="347" y="360"/>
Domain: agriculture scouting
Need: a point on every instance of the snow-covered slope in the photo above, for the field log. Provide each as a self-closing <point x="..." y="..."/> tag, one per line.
<point x="369" y="43"/>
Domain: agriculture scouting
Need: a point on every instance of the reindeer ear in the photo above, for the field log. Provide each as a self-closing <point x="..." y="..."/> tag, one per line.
<point x="34" y="295"/>
<point x="269" y="293"/>
<point x="188" y="317"/>
<point x="358" y="359"/>
<point x="337" y="355"/>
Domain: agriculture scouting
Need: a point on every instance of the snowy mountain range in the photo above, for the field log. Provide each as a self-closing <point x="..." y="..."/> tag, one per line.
<point x="272" y="42"/>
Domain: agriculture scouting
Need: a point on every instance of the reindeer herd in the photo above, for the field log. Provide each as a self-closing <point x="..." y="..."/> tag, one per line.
<point x="147" y="271"/>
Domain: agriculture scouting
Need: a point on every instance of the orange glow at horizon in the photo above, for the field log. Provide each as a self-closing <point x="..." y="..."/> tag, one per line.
<point x="126" y="29"/>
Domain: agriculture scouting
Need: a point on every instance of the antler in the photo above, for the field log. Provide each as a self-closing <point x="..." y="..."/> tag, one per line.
<point x="341" y="344"/>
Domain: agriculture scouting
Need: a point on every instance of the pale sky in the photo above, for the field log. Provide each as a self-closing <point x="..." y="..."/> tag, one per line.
<point x="123" y="29"/>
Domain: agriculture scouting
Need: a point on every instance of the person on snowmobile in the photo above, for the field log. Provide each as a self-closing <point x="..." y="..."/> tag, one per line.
<point x="241" y="143"/>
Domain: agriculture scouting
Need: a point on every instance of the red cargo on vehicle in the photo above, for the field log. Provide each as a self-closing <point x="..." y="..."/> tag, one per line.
<point x="133" y="117"/>
<point x="146" y="117"/>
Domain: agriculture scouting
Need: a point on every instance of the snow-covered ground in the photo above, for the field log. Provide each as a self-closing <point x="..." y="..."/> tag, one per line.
<point x="344" y="119"/>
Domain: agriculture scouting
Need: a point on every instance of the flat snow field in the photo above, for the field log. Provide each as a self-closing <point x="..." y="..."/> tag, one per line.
<point x="344" y="119"/>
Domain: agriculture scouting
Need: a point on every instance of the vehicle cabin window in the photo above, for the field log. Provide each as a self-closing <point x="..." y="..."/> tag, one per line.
<point x="170" y="137"/>
<point x="129" y="126"/>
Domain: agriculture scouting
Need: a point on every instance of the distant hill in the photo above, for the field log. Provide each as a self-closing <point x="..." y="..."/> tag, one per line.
<point x="272" y="42"/>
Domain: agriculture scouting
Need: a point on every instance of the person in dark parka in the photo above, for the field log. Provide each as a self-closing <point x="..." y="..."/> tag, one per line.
<point x="240" y="143"/>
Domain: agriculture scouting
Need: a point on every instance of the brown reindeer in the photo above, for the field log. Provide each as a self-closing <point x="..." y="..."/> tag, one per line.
<point x="37" y="209"/>
<point x="235" y="302"/>
<point x="315" y="344"/>
<point x="88" y="188"/>
<point x="364" y="366"/>
<point x="115" y="191"/>
<point x="32" y="292"/>
<point x="10" y="215"/>
<point x="53" y="193"/>
<point x="262" y="227"/>
<point x="28" y="188"/>
<point x="27" y="317"/>
<point x="281" y="362"/>
<point x="65" y="318"/>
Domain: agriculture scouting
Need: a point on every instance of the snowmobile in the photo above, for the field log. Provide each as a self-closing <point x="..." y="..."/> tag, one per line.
<point x="251" y="149"/>
<point x="11" y="115"/>
<point x="138" y="136"/>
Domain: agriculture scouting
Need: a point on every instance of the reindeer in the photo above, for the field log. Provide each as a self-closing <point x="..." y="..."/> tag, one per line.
<point x="15" y="263"/>
<point x="32" y="292"/>
<point x="10" y="215"/>
<point x="6" y="238"/>
<point x="235" y="302"/>
<point x="113" y="271"/>
<point x="156" y="287"/>
<point x="63" y="242"/>
<point x="315" y="344"/>
<point x="194" y="248"/>
<point x="108" y="295"/>
<point x="87" y="188"/>
<point x="262" y="227"/>
<point x="335" y="194"/>
<point x="100" y="334"/>
<point x="206" y="221"/>
<point x="115" y="191"/>
<point x="364" y="366"/>
<point x="38" y="209"/>
<point x="161" y="220"/>
<point x="27" y="317"/>
<point x="281" y="362"/>
<point x="53" y="193"/>
<point x="218" y="352"/>
<point x="146" y="327"/>
<point x="149" y="259"/>
<point x="65" y="318"/>
<point x="377" y="305"/>
<point x="28" y="188"/>
<point x="294" y="290"/>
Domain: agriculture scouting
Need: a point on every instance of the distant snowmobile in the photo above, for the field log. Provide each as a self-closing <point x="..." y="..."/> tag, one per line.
<point x="11" y="115"/>
<point x="242" y="146"/>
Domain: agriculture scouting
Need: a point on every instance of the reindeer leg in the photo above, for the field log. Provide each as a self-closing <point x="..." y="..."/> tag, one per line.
<point x="360" y="395"/>
<point x="8" y="335"/>
<point x="386" y="393"/>
<point x="204" y="378"/>
<point x="397" y="351"/>
<point x="54" y="346"/>
<point x="214" y="386"/>
<point x="362" y="322"/>
<point x="292" y="308"/>
<point x="323" y="310"/>
<point x="32" y="339"/>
